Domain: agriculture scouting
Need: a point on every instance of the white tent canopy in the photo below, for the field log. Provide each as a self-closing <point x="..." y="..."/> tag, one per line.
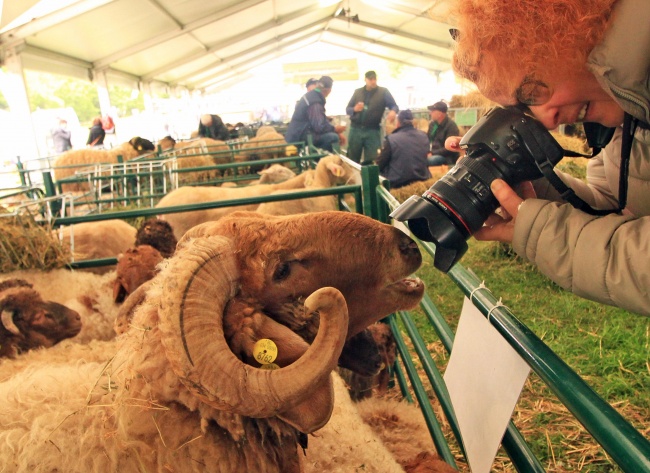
<point x="197" y="44"/>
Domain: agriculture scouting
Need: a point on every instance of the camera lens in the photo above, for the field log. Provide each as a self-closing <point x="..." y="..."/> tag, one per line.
<point x="505" y="144"/>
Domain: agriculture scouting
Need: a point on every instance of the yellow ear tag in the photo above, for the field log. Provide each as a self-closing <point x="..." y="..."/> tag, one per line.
<point x="265" y="351"/>
<point x="338" y="171"/>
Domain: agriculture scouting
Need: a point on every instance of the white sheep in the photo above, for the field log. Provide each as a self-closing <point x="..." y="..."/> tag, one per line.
<point x="182" y="390"/>
<point x="74" y="160"/>
<point x="94" y="240"/>
<point x="337" y="173"/>
<point x="181" y="222"/>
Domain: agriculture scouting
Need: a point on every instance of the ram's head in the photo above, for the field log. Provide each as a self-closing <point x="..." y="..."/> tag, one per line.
<point x="248" y="277"/>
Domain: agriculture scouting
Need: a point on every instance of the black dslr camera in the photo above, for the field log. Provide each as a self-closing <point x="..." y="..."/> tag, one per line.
<point x="506" y="144"/>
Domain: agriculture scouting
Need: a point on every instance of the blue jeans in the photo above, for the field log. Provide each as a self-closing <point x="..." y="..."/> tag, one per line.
<point x="436" y="160"/>
<point x="328" y="141"/>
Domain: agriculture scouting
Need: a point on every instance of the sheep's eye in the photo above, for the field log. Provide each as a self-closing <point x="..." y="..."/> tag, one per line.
<point x="49" y="316"/>
<point x="282" y="271"/>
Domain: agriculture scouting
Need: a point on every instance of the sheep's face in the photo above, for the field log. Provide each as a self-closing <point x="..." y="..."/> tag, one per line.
<point x="284" y="259"/>
<point x="37" y="323"/>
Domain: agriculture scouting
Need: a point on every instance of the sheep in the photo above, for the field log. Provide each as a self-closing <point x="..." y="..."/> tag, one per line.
<point x="94" y="240"/>
<point x="401" y="428"/>
<point x="159" y="404"/>
<point x="157" y="233"/>
<point x="135" y="267"/>
<point x="376" y="436"/>
<point x="90" y="295"/>
<point x="336" y="174"/>
<point x="203" y="152"/>
<point x="181" y="222"/>
<point x="68" y="163"/>
<point x="30" y="322"/>
<point x="268" y="145"/>
<point x="275" y="173"/>
<point x="361" y="385"/>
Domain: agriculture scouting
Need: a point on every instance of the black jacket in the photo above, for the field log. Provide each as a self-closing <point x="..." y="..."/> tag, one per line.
<point x="403" y="158"/>
<point x="445" y="129"/>
<point x="308" y="117"/>
<point x="376" y="100"/>
<point x="217" y="130"/>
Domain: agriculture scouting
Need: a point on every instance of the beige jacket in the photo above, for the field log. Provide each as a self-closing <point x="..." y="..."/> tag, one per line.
<point x="605" y="259"/>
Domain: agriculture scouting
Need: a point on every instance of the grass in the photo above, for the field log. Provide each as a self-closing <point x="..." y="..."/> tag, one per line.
<point x="608" y="347"/>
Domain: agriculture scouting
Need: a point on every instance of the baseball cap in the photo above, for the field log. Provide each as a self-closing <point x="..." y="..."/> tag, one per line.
<point x="441" y="106"/>
<point x="404" y="116"/>
<point x="371" y="75"/>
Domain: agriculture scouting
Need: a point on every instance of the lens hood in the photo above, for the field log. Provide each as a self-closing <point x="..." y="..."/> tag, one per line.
<point x="429" y="222"/>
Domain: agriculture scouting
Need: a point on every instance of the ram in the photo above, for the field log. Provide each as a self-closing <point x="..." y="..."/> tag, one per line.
<point x="184" y="390"/>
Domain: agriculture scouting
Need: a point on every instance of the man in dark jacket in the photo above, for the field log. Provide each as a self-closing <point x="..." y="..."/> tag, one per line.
<point x="309" y="118"/>
<point x="366" y="109"/>
<point x="403" y="159"/>
<point x="211" y="126"/>
<point x="441" y="127"/>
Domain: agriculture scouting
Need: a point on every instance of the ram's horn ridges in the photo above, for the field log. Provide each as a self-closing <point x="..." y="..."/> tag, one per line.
<point x="8" y="322"/>
<point x="198" y="283"/>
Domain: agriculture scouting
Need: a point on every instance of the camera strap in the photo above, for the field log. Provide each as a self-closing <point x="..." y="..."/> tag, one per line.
<point x="541" y="148"/>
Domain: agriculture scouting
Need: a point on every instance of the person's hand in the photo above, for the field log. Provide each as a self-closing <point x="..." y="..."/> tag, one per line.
<point x="500" y="226"/>
<point x="452" y="143"/>
<point x="390" y="118"/>
<point x="340" y="128"/>
<point x="358" y="107"/>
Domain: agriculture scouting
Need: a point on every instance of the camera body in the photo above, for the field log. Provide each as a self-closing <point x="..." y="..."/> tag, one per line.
<point x="504" y="144"/>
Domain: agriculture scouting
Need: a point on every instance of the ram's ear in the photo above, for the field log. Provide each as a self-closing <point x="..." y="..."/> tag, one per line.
<point x="313" y="413"/>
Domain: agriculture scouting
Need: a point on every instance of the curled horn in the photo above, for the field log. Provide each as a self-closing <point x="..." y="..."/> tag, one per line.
<point x="8" y="322"/>
<point x="197" y="285"/>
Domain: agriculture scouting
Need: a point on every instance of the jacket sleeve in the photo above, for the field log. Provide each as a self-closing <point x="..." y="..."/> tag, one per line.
<point x="605" y="259"/>
<point x="318" y="120"/>
<point x="350" y="108"/>
<point x="390" y="101"/>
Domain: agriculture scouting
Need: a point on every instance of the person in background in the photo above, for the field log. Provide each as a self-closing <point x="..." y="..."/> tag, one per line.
<point x="309" y="118"/>
<point x="403" y="158"/>
<point x="582" y="66"/>
<point x="441" y="127"/>
<point x="311" y="84"/>
<point x="211" y="126"/>
<point x="366" y="110"/>
<point x="61" y="137"/>
<point x="109" y="128"/>
<point x="97" y="134"/>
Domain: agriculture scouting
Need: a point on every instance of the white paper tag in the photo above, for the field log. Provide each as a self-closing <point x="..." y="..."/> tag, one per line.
<point x="484" y="377"/>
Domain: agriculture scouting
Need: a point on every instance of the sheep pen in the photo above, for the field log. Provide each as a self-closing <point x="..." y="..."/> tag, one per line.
<point x="329" y="169"/>
<point x="69" y="162"/>
<point x="156" y="400"/>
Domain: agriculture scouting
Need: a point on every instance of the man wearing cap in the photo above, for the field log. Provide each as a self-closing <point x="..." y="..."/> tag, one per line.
<point x="309" y="118"/>
<point x="440" y="127"/>
<point x="211" y="126"/>
<point x="311" y="84"/>
<point x="403" y="158"/>
<point x="366" y="109"/>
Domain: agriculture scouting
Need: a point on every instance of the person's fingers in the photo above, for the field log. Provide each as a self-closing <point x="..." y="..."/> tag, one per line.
<point x="452" y="143"/>
<point x="503" y="232"/>
<point x="506" y="196"/>
<point x="526" y="190"/>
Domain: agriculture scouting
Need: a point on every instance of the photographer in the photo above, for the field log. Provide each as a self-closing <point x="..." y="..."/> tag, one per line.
<point x="589" y="63"/>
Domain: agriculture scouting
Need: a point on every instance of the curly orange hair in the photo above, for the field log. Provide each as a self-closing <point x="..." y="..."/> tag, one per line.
<point x="500" y="41"/>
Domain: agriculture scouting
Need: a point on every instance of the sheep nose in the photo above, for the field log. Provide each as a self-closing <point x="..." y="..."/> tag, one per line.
<point x="408" y="246"/>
